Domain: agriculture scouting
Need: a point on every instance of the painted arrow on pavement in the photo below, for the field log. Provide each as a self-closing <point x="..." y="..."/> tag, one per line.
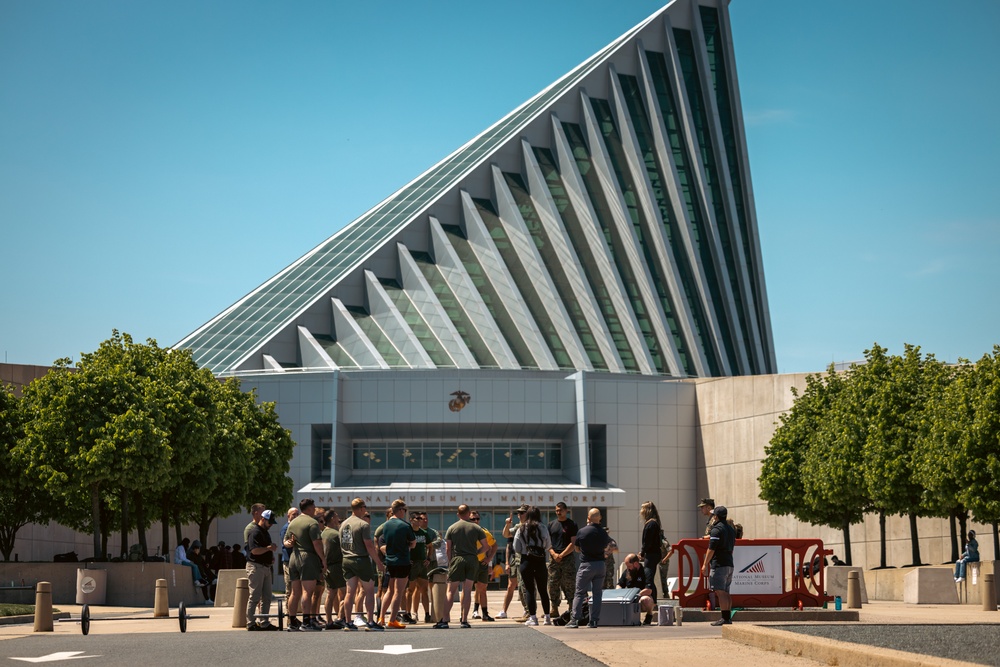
<point x="62" y="655"/>
<point x="395" y="649"/>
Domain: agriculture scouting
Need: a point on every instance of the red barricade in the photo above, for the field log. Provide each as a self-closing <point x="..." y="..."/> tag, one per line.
<point x="767" y="573"/>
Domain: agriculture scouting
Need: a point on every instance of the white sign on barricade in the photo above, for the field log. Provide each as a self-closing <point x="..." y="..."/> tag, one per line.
<point x="757" y="570"/>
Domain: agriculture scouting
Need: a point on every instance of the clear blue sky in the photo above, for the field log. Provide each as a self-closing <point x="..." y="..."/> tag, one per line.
<point x="158" y="160"/>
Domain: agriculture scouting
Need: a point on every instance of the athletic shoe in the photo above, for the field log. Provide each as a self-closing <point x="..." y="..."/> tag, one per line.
<point x="209" y="601"/>
<point x="465" y="625"/>
<point x="374" y="627"/>
<point x="959" y="580"/>
<point x="502" y="614"/>
<point x="532" y="620"/>
<point x="648" y="619"/>
<point x="522" y="619"/>
<point x="573" y="623"/>
<point x="396" y="625"/>
<point x="335" y="625"/>
<point x="428" y="619"/>
<point x="350" y="627"/>
<point x="487" y="617"/>
<point x="293" y="628"/>
<point x="591" y="625"/>
<point x="359" y="620"/>
<point x="252" y="627"/>
<point x="309" y="627"/>
<point x="268" y="627"/>
<point x="475" y="614"/>
<point x="719" y="622"/>
<point x="441" y="625"/>
<point x="548" y="620"/>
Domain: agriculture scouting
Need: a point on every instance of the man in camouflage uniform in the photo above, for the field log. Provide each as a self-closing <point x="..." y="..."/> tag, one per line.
<point x="562" y="566"/>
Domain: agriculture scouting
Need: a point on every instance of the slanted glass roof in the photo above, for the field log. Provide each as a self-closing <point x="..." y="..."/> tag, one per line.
<point x="221" y="344"/>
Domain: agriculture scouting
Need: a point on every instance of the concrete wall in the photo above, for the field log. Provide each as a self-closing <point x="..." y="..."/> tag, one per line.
<point x="128" y="584"/>
<point x="738" y="416"/>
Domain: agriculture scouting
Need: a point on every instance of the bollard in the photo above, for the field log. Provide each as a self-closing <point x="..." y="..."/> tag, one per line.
<point x="43" y="607"/>
<point x="439" y="595"/>
<point x="240" y="602"/>
<point x="161" y="600"/>
<point x="989" y="593"/>
<point x="854" y="590"/>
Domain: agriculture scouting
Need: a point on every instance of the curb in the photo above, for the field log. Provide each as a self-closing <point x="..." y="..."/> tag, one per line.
<point x="29" y="618"/>
<point x="830" y="651"/>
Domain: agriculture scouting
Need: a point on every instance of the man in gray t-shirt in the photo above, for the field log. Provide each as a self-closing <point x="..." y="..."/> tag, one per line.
<point x="464" y="539"/>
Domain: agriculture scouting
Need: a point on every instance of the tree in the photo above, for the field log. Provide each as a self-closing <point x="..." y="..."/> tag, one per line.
<point x="271" y="448"/>
<point x="940" y="462"/>
<point x="897" y="389"/>
<point x="980" y="445"/>
<point x="98" y="429"/>
<point x="832" y="475"/>
<point x="21" y="502"/>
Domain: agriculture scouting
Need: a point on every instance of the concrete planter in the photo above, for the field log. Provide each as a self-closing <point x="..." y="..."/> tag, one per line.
<point x="128" y="584"/>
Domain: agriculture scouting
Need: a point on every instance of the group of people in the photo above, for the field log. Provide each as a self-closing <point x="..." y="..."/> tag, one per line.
<point x="383" y="574"/>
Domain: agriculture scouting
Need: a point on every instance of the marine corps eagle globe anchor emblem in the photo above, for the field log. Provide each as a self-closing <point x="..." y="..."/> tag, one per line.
<point x="460" y="401"/>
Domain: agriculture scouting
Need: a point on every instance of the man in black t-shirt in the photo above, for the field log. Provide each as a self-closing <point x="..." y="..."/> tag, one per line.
<point x="718" y="564"/>
<point x="634" y="576"/>
<point x="562" y="567"/>
<point x="260" y="557"/>
<point x="592" y="541"/>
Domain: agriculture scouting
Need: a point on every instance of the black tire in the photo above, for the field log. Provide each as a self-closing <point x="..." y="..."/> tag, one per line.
<point x="281" y="617"/>
<point x="85" y="619"/>
<point x="182" y="618"/>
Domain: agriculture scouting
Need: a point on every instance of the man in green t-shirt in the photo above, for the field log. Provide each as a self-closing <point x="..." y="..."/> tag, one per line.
<point x="359" y="556"/>
<point x="464" y="539"/>
<point x="420" y="559"/>
<point x="305" y="567"/>
<point x="334" y="577"/>
<point x="399" y="539"/>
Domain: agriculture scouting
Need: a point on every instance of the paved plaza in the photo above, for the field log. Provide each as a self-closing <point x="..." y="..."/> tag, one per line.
<point x="888" y="633"/>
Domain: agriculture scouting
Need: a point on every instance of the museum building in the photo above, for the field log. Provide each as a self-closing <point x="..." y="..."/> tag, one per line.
<point x="521" y="322"/>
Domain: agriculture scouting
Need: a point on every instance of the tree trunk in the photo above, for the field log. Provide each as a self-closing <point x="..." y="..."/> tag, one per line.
<point x="952" y="522"/>
<point x="165" y="529"/>
<point x="8" y="534"/>
<point x="177" y="527"/>
<point x="95" y="520"/>
<point x="963" y="524"/>
<point x="881" y="537"/>
<point x="124" y="523"/>
<point x="996" y="540"/>
<point x="914" y="540"/>
<point x="140" y="523"/>
<point x="204" y="523"/>
<point x="847" y="542"/>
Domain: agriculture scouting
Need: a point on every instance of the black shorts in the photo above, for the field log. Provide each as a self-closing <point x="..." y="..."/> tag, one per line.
<point x="399" y="571"/>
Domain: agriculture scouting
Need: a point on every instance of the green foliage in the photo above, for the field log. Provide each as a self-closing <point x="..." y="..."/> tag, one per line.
<point x="21" y="502"/>
<point x="897" y="435"/>
<point x="135" y="428"/>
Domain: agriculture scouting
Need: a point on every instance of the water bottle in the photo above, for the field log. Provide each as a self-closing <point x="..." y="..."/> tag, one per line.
<point x="836" y="603"/>
<point x="825" y="602"/>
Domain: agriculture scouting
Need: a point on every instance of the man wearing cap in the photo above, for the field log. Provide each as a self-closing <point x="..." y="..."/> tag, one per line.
<point x="718" y="563"/>
<point x="260" y="557"/>
<point x="562" y="567"/>
<point x="706" y="506"/>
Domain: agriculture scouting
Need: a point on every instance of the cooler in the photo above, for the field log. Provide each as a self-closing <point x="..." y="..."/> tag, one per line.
<point x="620" y="607"/>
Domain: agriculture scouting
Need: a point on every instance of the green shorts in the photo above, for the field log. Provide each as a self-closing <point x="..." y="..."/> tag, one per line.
<point x="418" y="571"/>
<point x="484" y="573"/>
<point x="334" y="576"/>
<point x="361" y="568"/>
<point x="305" y="567"/>
<point x="463" y="568"/>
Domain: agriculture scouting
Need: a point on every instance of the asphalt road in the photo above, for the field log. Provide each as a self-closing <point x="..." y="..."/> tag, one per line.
<point x="451" y="647"/>
<point x="971" y="643"/>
